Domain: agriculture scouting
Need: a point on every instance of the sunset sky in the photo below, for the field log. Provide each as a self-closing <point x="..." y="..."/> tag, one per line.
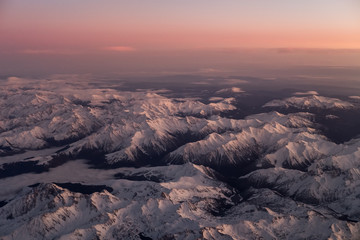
<point x="68" y="28"/>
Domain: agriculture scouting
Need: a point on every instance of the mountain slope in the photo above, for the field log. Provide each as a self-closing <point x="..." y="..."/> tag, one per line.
<point x="313" y="101"/>
<point x="188" y="203"/>
<point x="114" y="164"/>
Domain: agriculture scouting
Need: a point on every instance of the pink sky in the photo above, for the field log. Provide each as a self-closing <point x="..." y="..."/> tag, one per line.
<point x="67" y="28"/>
<point x="160" y="24"/>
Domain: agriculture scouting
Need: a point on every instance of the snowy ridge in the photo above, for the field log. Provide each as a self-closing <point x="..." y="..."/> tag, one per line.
<point x="34" y="119"/>
<point x="332" y="180"/>
<point x="313" y="101"/>
<point x="188" y="205"/>
<point x="266" y="132"/>
<point x="49" y="211"/>
<point x="269" y="175"/>
<point x="130" y="126"/>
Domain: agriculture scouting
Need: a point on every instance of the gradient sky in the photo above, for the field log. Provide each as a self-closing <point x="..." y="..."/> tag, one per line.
<point x="74" y="27"/>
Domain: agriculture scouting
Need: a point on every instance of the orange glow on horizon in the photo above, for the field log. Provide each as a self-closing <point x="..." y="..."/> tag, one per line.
<point x="62" y="36"/>
<point x="177" y="40"/>
<point x="173" y="25"/>
<point x="120" y="49"/>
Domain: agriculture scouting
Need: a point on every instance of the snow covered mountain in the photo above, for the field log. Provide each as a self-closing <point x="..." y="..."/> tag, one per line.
<point x="129" y="127"/>
<point x="313" y="101"/>
<point x="253" y="138"/>
<point x="158" y="167"/>
<point x="104" y="120"/>
<point x="187" y="203"/>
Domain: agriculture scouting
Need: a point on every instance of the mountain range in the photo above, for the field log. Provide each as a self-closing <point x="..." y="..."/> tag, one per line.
<point x="141" y="165"/>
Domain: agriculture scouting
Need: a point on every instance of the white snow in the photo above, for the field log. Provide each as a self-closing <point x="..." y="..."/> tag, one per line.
<point x="230" y="90"/>
<point x="306" y="93"/>
<point x="305" y="191"/>
<point x="313" y="101"/>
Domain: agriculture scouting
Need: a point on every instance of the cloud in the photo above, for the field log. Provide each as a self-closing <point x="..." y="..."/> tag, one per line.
<point x="62" y="83"/>
<point x="230" y="81"/>
<point x="47" y="51"/>
<point x="162" y="90"/>
<point x="355" y="97"/>
<point x="73" y="171"/>
<point x="209" y="70"/>
<point x="14" y="79"/>
<point x="236" y="90"/>
<point x="316" y="50"/>
<point x="230" y="90"/>
<point x="216" y="99"/>
<point x="313" y="77"/>
<point x="306" y="93"/>
<point x="14" y="82"/>
<point x="120" y="49"/>
<point x="201" y="83"/>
